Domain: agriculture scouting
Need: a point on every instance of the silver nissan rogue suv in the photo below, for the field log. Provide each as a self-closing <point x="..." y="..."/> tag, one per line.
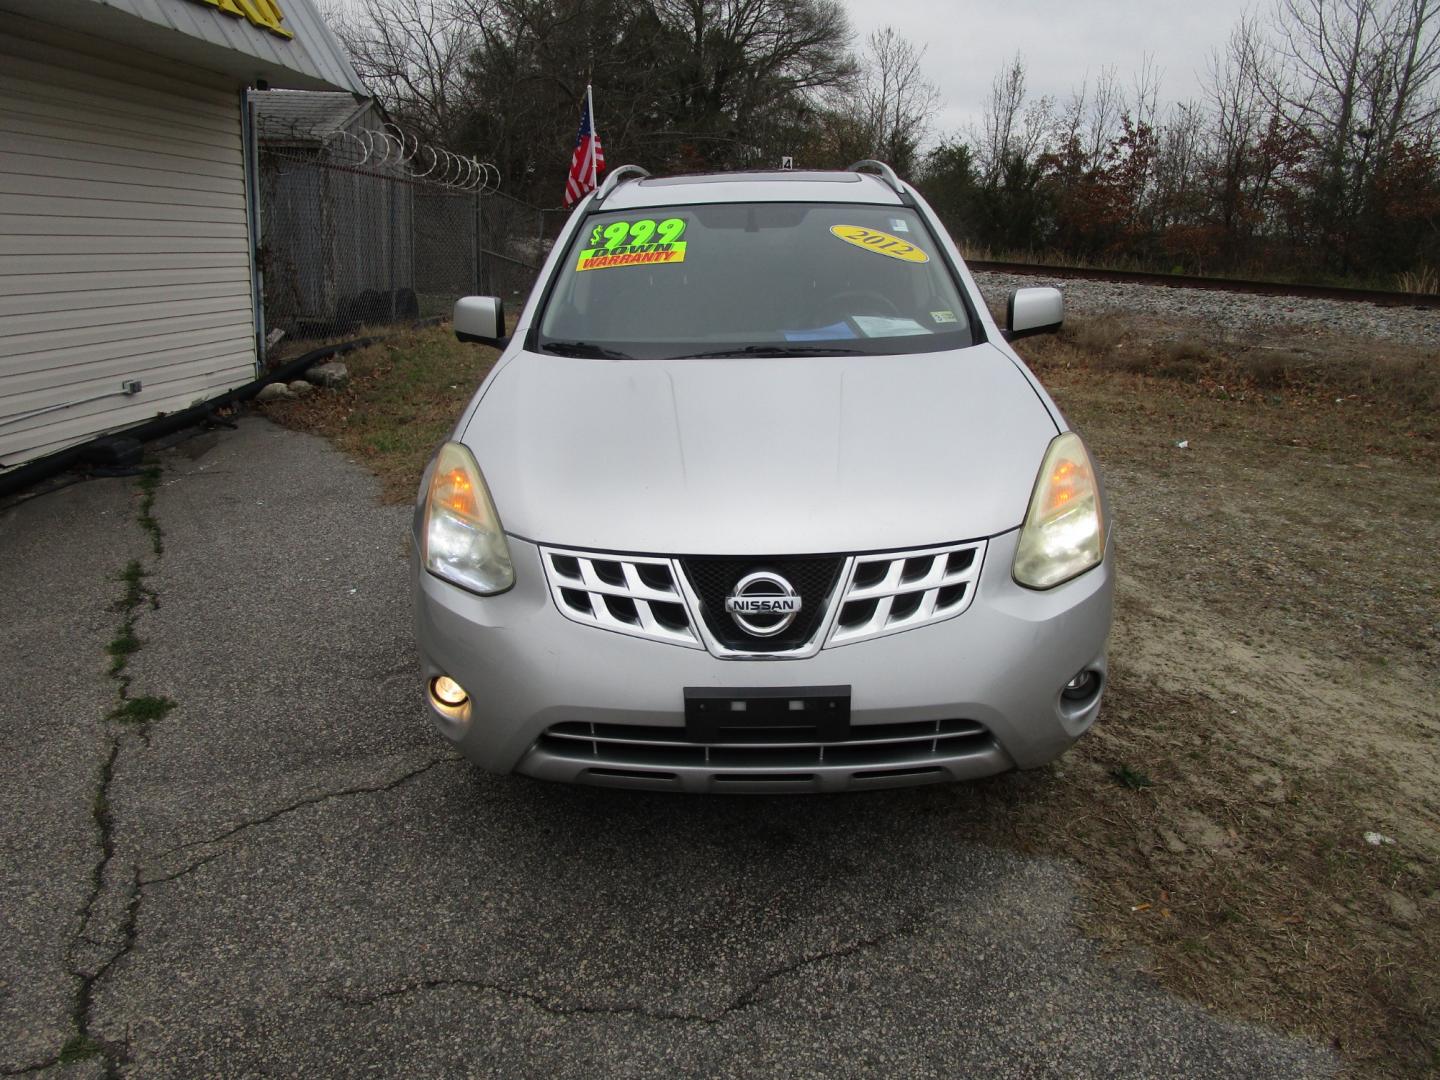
<point x="758" y="498"/>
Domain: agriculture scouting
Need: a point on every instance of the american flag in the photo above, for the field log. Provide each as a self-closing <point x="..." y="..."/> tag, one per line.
<point x="589" y="157"/>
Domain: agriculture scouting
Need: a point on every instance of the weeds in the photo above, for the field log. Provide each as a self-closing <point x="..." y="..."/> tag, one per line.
<point x="1424" y="281"/>
<point x="1272" y="369"/>
<point x="126" y="642"/>
<point x="1184" y="359"/>
<point x="1130" y="778"/>
<point x="142" y="710"/>
<point x="149" y="485"/>
<point x="132" y="577"/>
<point x="79" y="1048"/>
<point x="122" y="646"/>
<point x="139" y="712"/>
<point x="1099" y="337"/>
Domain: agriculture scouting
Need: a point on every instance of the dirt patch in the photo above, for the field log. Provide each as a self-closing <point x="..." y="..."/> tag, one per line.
<point x="1276" y="663"/>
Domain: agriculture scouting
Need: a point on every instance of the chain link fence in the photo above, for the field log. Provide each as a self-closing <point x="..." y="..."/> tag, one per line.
<point x="346" y="243"/>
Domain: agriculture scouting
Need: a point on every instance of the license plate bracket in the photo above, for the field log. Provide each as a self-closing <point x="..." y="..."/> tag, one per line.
<point x="721" y="714"/>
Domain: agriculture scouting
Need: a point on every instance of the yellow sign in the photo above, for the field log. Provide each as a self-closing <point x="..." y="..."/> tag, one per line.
<point x="265" y="14"/>
<point x="882" y="243"/>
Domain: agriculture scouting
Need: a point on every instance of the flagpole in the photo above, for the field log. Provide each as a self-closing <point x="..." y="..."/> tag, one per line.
<point x="594" y="134"/>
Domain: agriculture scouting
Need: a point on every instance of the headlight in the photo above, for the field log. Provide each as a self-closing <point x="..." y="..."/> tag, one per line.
<point x="463" y="541"/>
<point x="1064" y="533"/>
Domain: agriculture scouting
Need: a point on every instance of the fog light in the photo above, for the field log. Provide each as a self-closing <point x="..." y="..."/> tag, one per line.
<point x="1080" y="687"/>
<point x="448" y="692"/>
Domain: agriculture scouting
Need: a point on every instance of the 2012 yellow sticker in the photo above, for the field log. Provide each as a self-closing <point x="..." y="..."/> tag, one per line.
<point x="634" y="243"/>
<point x="882" y="243"/>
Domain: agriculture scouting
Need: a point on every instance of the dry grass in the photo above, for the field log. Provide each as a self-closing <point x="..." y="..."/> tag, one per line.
<point x="1276" y="655"/>
<point x="1302" y="364"/>
<point x="1098" y="338"/>
<point x="1425" y="281"/>
<point x="404" y="396"/>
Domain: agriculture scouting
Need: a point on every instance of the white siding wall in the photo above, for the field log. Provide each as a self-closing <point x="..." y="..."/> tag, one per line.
<point x="124" y="250"/>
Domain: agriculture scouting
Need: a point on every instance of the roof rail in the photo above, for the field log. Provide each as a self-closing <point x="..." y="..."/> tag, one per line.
<point x="885" y="172"/>
<point x="613" y="181"/>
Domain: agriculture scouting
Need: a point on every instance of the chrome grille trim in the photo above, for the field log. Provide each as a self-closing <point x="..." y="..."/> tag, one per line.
<point x="594" y="737"/>
<point x="944" y="589"/>
<point x="913" y="744"/>
<point x="576" y="573"/>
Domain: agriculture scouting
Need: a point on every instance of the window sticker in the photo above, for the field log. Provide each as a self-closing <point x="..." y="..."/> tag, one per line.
<point x="634" y="243"/>
<point x="885" y="326"/>
<point x="899" y="224"/>
<point x="881" y="243"/>
<point x="834" y="332"/>
<point x="943" y="316"/>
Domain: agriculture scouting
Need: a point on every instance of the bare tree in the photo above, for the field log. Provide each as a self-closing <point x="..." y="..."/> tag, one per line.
<point x="740" y="50"/>
<point x="1145" y="105"/>
<point x="1236" y="90"/>
<point x="1325" y="52"/>
<point x="1179" y="166"/>
<point x="1102" y="118"/>
<point x="1356" y="79"/>
<point x="887" y="111"/>
<point x="1037" y="128"/>
<point x="1403" y="94"/>
<point x="1090" y="122"/>
<point x="412" y="54"/>
<point x="1002" y="120"/>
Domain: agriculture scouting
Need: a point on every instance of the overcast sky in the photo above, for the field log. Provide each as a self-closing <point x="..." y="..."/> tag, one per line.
<point x="1061" y="40"/>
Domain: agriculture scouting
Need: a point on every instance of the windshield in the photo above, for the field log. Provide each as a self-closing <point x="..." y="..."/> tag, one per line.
<point x="753" y="279"/>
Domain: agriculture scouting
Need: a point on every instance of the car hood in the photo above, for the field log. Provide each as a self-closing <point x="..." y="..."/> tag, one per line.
<point x="760" y="456"/>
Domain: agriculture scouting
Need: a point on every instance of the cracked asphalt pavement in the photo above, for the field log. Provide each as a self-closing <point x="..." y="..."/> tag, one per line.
<point x="290" y="873"/>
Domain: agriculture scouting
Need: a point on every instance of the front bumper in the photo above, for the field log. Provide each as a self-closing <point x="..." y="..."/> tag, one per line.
<point x="996" y="671"/>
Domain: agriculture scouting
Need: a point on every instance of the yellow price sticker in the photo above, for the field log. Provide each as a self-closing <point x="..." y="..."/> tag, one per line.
<point x="882" y="243"/>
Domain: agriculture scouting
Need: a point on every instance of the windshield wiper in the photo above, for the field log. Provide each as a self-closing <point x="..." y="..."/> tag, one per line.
<point x="773" y="350"/>
<point x="584" y="350"/>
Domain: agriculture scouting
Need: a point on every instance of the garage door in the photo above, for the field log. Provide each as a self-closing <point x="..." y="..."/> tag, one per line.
<point x="124" y="250"/>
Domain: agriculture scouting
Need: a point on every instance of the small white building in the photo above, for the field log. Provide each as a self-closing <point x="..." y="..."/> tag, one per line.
<point x="128" y="284"/>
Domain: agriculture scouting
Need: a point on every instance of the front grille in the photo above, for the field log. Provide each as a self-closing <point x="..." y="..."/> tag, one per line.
<point x="681" y="601"/>
<point x="629" y="594"/>
<point x="877" y="746"/>
<point x="885" y="594"/>
<point x="713" y="579"/>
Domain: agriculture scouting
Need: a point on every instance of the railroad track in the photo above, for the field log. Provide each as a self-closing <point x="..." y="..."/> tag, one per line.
<point x="1417" y="301"/>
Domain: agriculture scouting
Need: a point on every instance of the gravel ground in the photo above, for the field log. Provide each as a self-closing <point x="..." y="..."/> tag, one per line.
<point x="1410" y="326"/>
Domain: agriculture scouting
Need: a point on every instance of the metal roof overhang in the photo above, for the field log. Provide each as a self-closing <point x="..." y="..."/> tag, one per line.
<point x="203" y="36"/>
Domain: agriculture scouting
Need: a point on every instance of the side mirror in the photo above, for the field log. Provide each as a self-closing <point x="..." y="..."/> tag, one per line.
<point x="1033" y="311"/>
<point x="481" y="319"/>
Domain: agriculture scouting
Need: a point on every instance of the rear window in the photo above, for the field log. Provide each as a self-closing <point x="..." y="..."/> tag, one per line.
<point x="767" y="278"/>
